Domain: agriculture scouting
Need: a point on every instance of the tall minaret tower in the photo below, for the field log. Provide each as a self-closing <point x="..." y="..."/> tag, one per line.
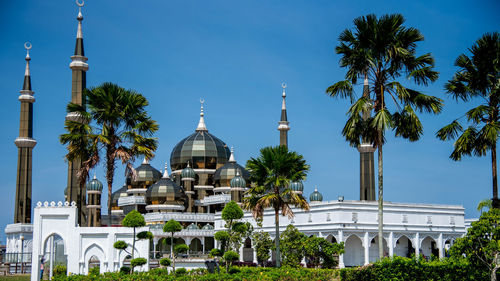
<point x="366" y="158"/>
<point x="283" y="123"/>
<point x="79" y="68"/>
<point x="25" y="144"/>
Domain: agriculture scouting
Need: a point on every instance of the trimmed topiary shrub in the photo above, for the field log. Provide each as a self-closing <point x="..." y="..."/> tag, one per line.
<point x="180" y="271"/>
<point x="233" y="270"/>
<point x="138" y="262"/>
<point x="125" y="269"/>
<point x="165" y="262"/>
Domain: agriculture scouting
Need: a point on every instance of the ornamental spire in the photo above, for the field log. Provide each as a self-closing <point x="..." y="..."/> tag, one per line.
<point x="283" y="126"/>
<point x="283" y="104"/>
<point x="27" y="75"/>
<point x="201" y="124"/>
<point x="231" y="158"/>
<point x="165" y="173"/>
<point x="79" y="34"/>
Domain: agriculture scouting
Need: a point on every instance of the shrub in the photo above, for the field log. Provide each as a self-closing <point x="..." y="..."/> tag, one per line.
<point x="120" y="245"/>
<point x="165" y="262"/>
<point x="138" y="262"/>
<point x="180" y="271"/>
<point x="94" y="271"/>
<point x="125" y="269"/>
<point x="60" y="270"/>
<point x="231" y="256"/>
<point x="216" y="252"/>
<point x="233" y="270"/>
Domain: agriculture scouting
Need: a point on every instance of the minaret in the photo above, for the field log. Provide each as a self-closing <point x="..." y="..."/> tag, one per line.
<point x="25" y="144"/>
<point x="366" y="158"/>
<point x="283" y="123"/>
<point x="79" y="68"/>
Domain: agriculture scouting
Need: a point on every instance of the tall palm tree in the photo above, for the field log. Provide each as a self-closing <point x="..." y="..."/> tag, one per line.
<point x="271" y="174"/>
<point x="478" y="77"/>
<point x="124" y="128"/>
<point x="81" y="144"/>
<point x="383" y="51"/>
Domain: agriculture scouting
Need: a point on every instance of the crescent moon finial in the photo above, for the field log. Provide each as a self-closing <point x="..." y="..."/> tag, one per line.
<point x="283" y="85"/>
<point x="80" y="4"/>
<point x="202" y="101"/>
<point x="27" y="46"/>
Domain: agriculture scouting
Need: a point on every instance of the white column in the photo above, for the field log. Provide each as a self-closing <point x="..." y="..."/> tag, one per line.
<point x="391" y="244"/>
<point x="417" y="245"/>
<point x="254" y="253"/>
<point x="440" y="245"/>
<point x="367" y="248"/>
<point x="341" y="256"/>
<point x="203" y="244"/>
<point x="241" y="252"/>
<point x="51" y="257"/>
<point x="155" y="242"/>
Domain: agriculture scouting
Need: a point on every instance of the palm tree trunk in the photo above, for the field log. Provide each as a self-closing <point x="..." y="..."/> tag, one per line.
<point x="380" y="200"/>
<point x="277" y="239"/>
<point x="494" y="201"/>
<point x="110" y="171"/>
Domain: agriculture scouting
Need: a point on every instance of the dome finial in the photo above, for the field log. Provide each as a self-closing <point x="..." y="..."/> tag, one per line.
<point x="231" y="158"/>
<point x="165" y="173"/>
<point x="201" y="124"/>
<point x="283" y="85"/>
<point x="95" y="176"/>
<point x="145" y="161"/>
<point x="316" y="188"/>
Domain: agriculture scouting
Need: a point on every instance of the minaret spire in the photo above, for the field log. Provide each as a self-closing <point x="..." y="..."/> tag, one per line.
<point x="283" y="126"/>
<point x="201" y="124"/>
<point x="25" y="144"/>
<point x="231" y="158"/>
<point x="366" y="157"/>
<point x="79" y="69"/>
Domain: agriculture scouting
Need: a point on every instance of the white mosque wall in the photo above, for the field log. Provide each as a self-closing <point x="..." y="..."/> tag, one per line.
<point x="355" y="223"/>
<point x="80" y="244"/>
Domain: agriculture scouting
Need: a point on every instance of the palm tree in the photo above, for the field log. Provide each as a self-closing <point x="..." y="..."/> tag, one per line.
<point x="271" y="174"/>
<point x="82" y="145"/>
<point x="478" y="77"/>
<point x="383" y="51"/>
<point x="123" y="125"/>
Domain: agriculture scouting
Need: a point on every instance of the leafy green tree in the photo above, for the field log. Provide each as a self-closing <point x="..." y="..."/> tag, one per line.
<point x="382" y="50"/>
<point x="263" y="245"/>
<point x="477" y="79"/>
<point x="292" y="244"/>
<point x="133" y="219"/>
<point x="486" y="203"/>
<point x="481" y="244"/>
<point x="320" y="252"/>
<point x="172" y="226"/>
<point x="122" y="125"/>
<point x="223" y="237"/>
<point x="229" y="257"/>
<point x="82" y="146"/>
<point x="235" y="229"/>
<point x="137" y="262"/>
<point x="179" y="249"/>
<point x="272" y="172"/>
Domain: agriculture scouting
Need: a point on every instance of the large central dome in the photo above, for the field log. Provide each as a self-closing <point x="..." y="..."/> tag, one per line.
<point x="202" y="149"/>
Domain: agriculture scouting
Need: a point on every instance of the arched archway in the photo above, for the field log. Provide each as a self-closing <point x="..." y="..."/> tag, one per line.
<point x="53" y="253"/>
<point x="195" y="248"/>
<point x="373" y="253"/>
<point x="94" y="256"/>
<point x="330" y="238"/>
<point x="93" y="263"/>
<point x="247" y="250"/>
<point x="353" y="255"/>
<point x="404" y="247"/>
<point x="429" y="247"/>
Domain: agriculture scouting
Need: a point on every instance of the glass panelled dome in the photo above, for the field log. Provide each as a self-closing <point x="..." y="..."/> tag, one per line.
<point x="202" y="149"/>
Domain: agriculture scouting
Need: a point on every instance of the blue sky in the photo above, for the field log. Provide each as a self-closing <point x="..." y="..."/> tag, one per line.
<point x="235" y="54"/>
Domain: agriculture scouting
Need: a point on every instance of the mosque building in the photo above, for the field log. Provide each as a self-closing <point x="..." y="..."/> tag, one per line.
<point x="204" y="176"/>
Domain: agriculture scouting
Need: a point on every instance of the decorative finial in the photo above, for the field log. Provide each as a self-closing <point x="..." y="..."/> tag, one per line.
<point x="95" y="176"/>
<point x="231" y="158"/>
<point x="283" y="85"/>
<point x="315" y="188"/>
<point x="189" y="165"/>
<point x="80" y="5"/>
<point x="201" y="124"/>
<point x="145" y="161"/>
<point x="27" y="46"/>
<point x="238" y="173"/>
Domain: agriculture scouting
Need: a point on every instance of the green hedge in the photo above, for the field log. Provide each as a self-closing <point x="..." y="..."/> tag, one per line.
<point x="402" y="269"/>
<point x="246" y="274"/>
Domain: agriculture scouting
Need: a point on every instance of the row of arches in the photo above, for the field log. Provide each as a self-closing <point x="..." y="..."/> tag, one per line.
<point x="197" y="246"/>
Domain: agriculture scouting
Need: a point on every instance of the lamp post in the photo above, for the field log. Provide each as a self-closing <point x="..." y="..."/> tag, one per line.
<point x="22" y="253"/>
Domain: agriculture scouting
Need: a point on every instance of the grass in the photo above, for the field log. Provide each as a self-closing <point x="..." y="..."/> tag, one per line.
<point x="17" y="277"/>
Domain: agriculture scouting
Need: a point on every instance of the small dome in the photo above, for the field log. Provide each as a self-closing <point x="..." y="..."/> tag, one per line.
<point x="122" y="192"/>
<point x="316" y="196"/>
<point x="165" y="192"/>
<point x="208" y="227"/>
<point x="94" y="184"/>
<point x="188" y="173"/>
<point x="238" y="181"/>
<point x="192" y="226"/>
<point x="224" y="175"/>
<point x="147" y="173"/>
<point x="297" y="186"/>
